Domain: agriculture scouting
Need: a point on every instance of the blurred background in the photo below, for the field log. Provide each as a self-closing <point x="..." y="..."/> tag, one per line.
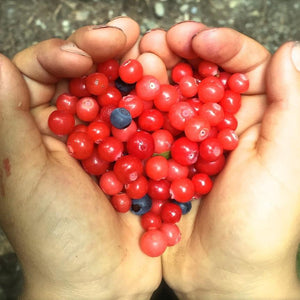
<point x="25" y="22"/>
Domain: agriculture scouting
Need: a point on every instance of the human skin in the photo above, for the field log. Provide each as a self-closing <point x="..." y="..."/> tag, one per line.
<point x="71" y="242"/>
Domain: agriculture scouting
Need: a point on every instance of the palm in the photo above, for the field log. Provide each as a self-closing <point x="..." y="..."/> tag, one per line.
<point x="241" y="226"/>
<point x="71" y="229"/>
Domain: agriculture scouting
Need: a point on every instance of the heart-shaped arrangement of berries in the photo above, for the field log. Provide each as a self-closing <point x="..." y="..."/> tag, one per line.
<point x="153" y="147"/>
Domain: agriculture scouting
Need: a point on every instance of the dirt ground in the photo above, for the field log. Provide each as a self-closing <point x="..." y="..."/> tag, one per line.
<point x="25" y="22"/>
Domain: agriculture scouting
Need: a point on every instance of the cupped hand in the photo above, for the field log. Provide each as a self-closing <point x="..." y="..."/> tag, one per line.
<point x="71" y="243"/>
<point x="241" y="240"/>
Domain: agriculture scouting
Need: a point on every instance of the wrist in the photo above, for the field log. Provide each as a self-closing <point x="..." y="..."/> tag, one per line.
<point x="40" y="291"/>
<point x="276" y="283"/>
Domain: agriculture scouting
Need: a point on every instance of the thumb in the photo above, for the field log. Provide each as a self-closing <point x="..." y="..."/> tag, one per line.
<point x="19" y="135"/>
<point x="279" y="141"/>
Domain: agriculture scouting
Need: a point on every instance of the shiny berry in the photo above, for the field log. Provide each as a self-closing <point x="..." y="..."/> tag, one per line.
<point x="197" y="129"/>
<point x="153" y="242"/>
<point x="202" y="183"/>
<point x="182" y="190"/>
<point x="141" y="206"/>
<point x="238" y="82"/>
<point x="184" y="206"/>
<point x="185" y="151"/>
<point x="80" y="145"/>
<point x="128" y="168"/>
<point x="87" y="109"/>
<point x="67" y="102"/>
<point x="147" y="88"/>
<point x="172" y="233"/>
<point x="156" y="167"/>
<point x="211" y="149"/>
<point x="150" y="220"/>
<point x="110" y="184"/>
<point x="121" y="202"/>
<point x="131" y="71"/>
<point x="120" y="118"/>
<point x="141" y="145"/>
<point x="170" y="213"/>
<point x="96" y="83"/>
<point x="61" y="122"/>
<point x="110" y="149"/>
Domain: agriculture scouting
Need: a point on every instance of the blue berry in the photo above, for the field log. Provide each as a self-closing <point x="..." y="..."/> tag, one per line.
<point x="141" y="206"/>
<point x="123" y="87"/>
<point x="185" y="207"/>
<point x="120" y="118"/>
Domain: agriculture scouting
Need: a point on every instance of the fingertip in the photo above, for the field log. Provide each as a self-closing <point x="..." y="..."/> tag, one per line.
<point x="153" y="65"/>
<point x="130" y="28"/>
<point x="101" y="42"/>
<point x="155" y="41"/>
<point x="179" y="38"/>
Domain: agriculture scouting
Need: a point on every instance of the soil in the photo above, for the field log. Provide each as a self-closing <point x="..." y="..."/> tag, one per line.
<point x="25" y="22"/>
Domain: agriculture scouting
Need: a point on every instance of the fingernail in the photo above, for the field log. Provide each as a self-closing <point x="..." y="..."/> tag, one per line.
<point x="205" y="32"/>
<point x="96" y="27"/>
<point x="72" y="48"/>
<point x="295" y="55"/>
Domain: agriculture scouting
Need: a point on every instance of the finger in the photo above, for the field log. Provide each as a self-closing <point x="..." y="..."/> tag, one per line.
<point x="251" y="112"/>
<point x="101" y="42"/>
<point x="130" y="28"/>
<point x="153" y="65"/>
<point x="45" y="63"/>
<point x="19" y="134"/>
<point x="132" y="53"/>
<point x="279" y="141"/>
<point x="234" y="52"/>
<point x="179" y="38"/>
<point x="155" y="42"/>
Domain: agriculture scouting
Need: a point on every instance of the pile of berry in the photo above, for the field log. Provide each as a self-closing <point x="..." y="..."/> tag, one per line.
<point x="153" y="147"/>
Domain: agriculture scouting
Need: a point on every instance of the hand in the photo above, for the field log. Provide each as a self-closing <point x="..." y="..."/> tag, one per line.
<point x="240" y="242"/>
<point x="70" y="241"/>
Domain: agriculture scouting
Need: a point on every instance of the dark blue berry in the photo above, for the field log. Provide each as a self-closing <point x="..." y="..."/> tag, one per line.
<point x="185" y="207"/>
<point x="120" y="118"/>
<point x="123" y="87"/>
<point x="141" y="206"/>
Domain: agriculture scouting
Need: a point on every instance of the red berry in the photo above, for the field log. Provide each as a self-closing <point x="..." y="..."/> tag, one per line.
<point x="80" y="145"/>
<point x="197" y="129"/>
<point x="163" y="140"/>
<point x="159" y="190"/>
<point x="188" y="86"/>
<point x="124" y="134"/>
<point x="167" y="96"/>
<point x="94" y="165"/>
<point x="207" y="68"/>
<point x="170" y="213"/>
<point x="172" y="233"/>
<point x="238" y="82"/>
<point x="185" y="151"/>
<point x="150" y="220"/>
<point x="179" y="113"/>
<point x="96" y="83"/>
<point x="211" y="149"/>
<point x="202" y="183"/>
<point x="98" y="131"/>
<point x="228" y="139"/>
<point x="87" y="109"/>
<point x="131" y="71"/>
<point x="77" y="87"/>
<point x="67" y="102"/>
<point x="182" y="190"/>
<point x="157" y="205"/>
<point x="231" y="102"/>
<point x="112" y="96"/>
<point x="229" y="121"/>
<point x="138" y="188"/>
<point x="133" y="104"/>
<point x="110" y="149"/>
<point x="212" y="112"/>
<point x="210" y="89"/>
<point x="141" y="144"/>
<point x="153" y="242"/>
<point x="210" y="167"/>
<point x="176" y="170"/>
<point x="156" y="167"/>
<point x="110" y="184"/>
<point x="121" y="202"/>
<point x="147" y="88"/>
<point x="128" y="168"/>
<point x="151" y="120"/>
<point x="110" y="68"/>
<point x="61" y="122"/>
<point x="180" y="70"/>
